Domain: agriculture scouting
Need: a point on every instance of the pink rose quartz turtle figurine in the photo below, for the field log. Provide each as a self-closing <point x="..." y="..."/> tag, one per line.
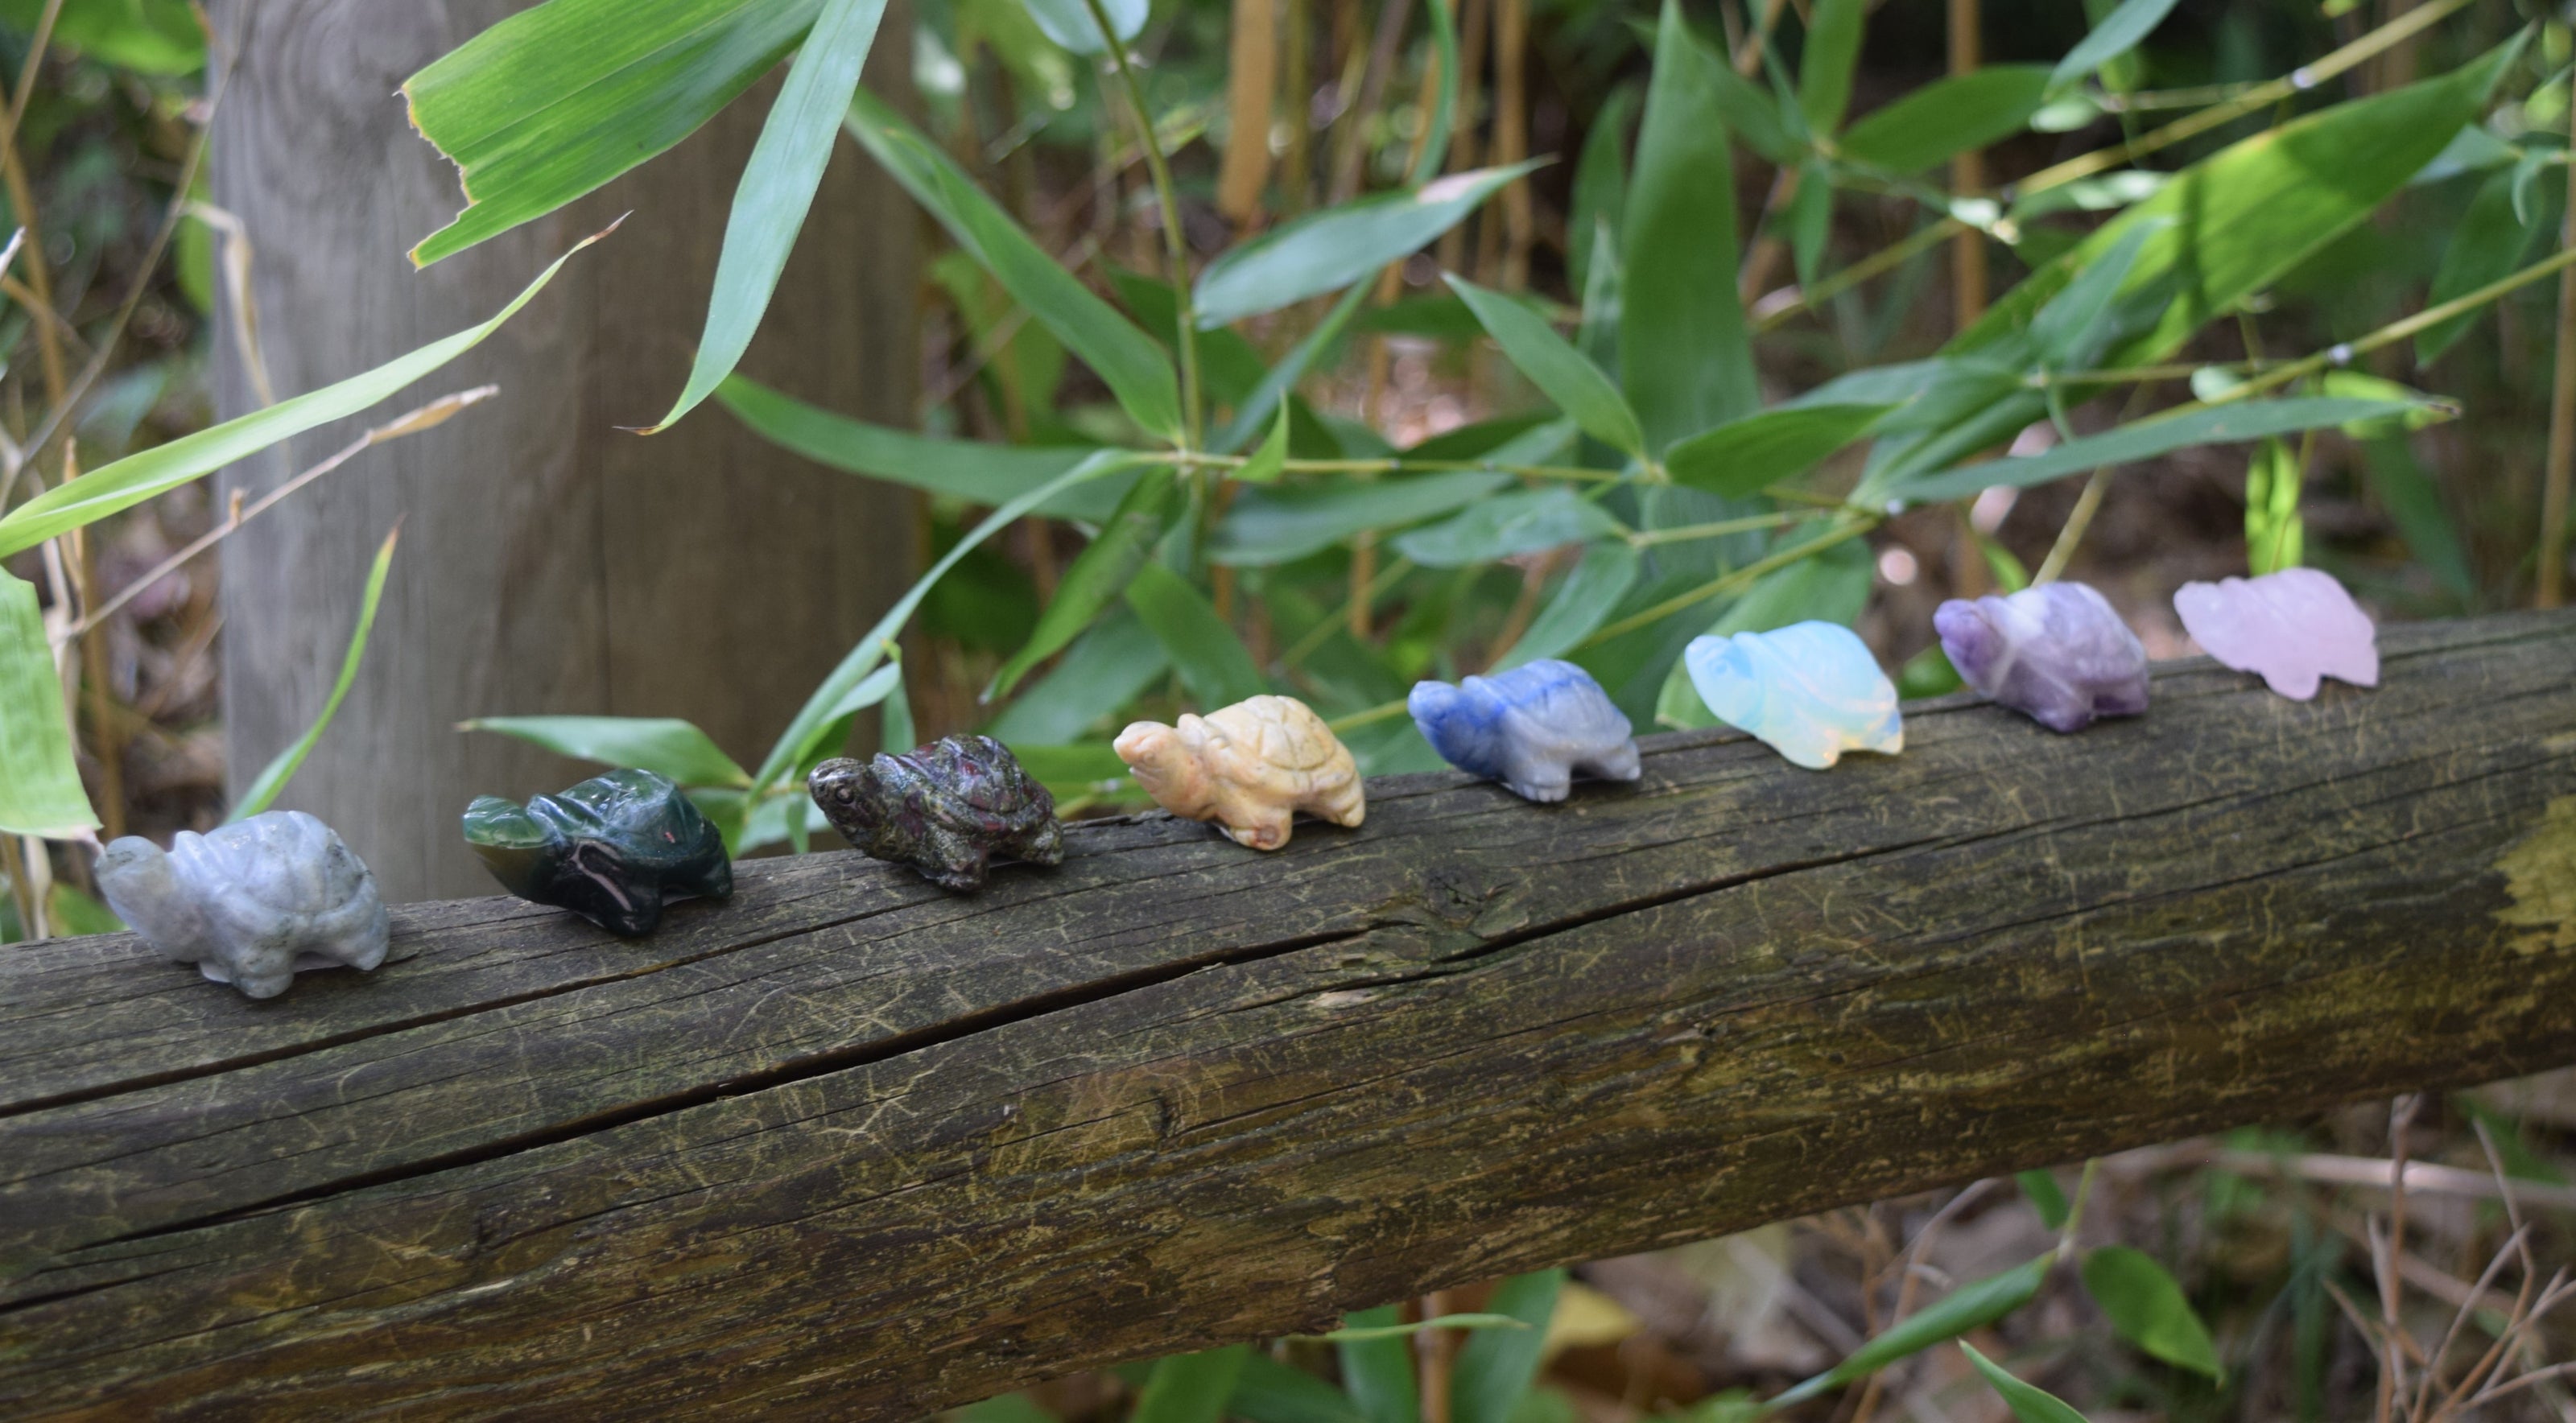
<point x="2292" y="628"/>
<point x="1249" y="767"/>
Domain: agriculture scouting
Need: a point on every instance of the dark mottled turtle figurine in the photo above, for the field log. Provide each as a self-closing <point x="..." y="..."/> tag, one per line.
<point x="612" y="849"/>
<point x="945" y="809"/>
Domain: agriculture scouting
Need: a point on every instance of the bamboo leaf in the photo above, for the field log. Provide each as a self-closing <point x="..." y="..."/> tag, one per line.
<point x="1211" y="660"/>
<point x="1378" y="1371"/>
<point x="1750" y="455"/>
<point x="1098" y="576"/>
<point x="1327" y="250"/>
<point x="2149" y="1310"/>
<point x="1971" y="1306"/>
<point x="2071" y="329"/>
<point x="960" y="469"/>
<point x="1121" y="355"/>
<point x="1270" y="460"/>
<point x="2488" y="243"/>
<point x="777" y="189"/>
<point x="1583" y="602"/>
<point x="129" y="481"/>
<point x="664" y="745"/>
<point x="1600" y="182"/>
<point x="1564" y="374"/>
<point x="1947" y="117"/>
<point x="2145" y="439"/>
<point x="1105" y="669"/>
<point x="1407" y="1331"/>
<point x="2029" y="1402"/>
<point x="1280" y="523"/>
<point x="1684" y="357"/>
<point x="40" y="784"/>
<point x="274" y="776"/>
<point x="1190" y="1388"/>
<point x="1825" y="69"/>
<point x="816" y="716"/>
<point x="2119" y="32"/>
<point x="558" y="99"/>
<point x="1272" y="1392"/>
<point x="1496" y="1366"/>
<point x="1520" y="521"/>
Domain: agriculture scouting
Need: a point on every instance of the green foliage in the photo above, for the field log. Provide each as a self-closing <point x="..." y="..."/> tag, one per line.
<point x="2116" y="35"/>
<point x="1565" y="374"/>
<point x="1100" y="575"/>
<point x="1377" y="1369"/>
<point x="1947" y="117"/>
<point x="2029" y="1403"/>
<point x="1494" y="1371"/>
<point x="1203" y="647"/>
<point x="40" y="785"/>
<point x="1684" y="356"/>
<point x="1750" y="454"/>
<point x="2148" y="1308"/>
<point x="1328" y="250"/>
<point x="665" y="746"/>
<point x="1971" y="1306"/>
<point x="2274" y="536"/>
<point x="1190" y="1388"/>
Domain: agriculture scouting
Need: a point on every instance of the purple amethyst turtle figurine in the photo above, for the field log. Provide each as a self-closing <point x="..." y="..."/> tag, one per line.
<point x="2057" y="653"/>
<point x="1531" y="728"/>
<point x="946" y="809"/>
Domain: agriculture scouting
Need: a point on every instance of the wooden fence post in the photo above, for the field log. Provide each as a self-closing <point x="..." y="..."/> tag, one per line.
<point x="550" y="562"/>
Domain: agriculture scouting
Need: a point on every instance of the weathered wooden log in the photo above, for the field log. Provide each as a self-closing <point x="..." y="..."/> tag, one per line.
<point x="847" y="1146"/>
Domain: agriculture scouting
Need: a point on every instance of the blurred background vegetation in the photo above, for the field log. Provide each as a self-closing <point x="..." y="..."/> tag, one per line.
<point x="2282" y="1277"/>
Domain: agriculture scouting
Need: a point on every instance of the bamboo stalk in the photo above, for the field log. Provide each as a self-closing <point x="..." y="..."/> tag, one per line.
<point x="1511" y="135"/>
<point x="2551" y="582"/>
<point x="1967" y="180"/>
<point x="1297" y="173"/>
<point x="1472" y="24"/>
<point x="1252" y="71"/>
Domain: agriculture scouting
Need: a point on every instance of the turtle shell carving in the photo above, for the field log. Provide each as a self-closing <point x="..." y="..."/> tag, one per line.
<point x="613" y="849"/>
<point x="1249" y="767"/>
<point x="251" y="904"/>
<point x="946" y="809"/>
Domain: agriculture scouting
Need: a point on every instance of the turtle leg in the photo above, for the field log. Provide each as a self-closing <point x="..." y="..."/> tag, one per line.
<point x="1042" y="844"/>
<point x="1539" y="778"/>
<point x="1345" y="805"/>
<point x="953" y="861"/>
<point x="709" y="875"/>
<point x="1262" y="829"/>
<point x="1619" y="763"/>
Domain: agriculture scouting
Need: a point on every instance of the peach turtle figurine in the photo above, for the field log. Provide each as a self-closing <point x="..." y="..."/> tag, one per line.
<point x="1249" y="767"/>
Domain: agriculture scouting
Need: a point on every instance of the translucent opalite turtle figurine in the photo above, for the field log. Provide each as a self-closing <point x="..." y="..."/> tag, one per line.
<point x="2293" y="628"/>
<point x="1249" y="767"/>
<point x="250" y="904"/>
<point x="613" y="849"/>
<point x="1532" y="728"/>
<point x="2057" y="653"/>
<point x="945" y="809"/>
<point x="1811" y="691"/>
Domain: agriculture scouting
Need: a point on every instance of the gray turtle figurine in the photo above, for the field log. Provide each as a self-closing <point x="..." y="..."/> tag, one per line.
<point x="613" y="849"/>
<point x="1531" y="728"/>
<point x="946" y="809"/>
<point x="250" y="904"/>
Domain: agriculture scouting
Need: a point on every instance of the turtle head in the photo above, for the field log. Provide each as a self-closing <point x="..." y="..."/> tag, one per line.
<point x="851" y="792"/>
<point x="519" y="850"/>
<point x="1168" y="769"/>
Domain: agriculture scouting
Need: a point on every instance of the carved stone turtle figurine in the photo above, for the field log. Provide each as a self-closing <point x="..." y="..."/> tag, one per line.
<point x="946" y="809"/>
<point x="250" y="904"/>
<point x="613" y="849"/>
<point x="1249" y="767"/>
<point x="1530" y="728"/>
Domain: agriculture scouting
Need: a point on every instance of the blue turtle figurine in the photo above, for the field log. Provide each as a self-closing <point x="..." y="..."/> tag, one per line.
<point x="1531" y="728"/>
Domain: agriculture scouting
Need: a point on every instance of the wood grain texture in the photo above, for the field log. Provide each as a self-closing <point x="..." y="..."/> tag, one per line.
<point x="551" y="562"/>
<point x="849" y="1147"/>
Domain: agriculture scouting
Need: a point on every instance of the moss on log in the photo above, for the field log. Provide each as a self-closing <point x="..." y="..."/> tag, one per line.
<point x="850" y="1147"/>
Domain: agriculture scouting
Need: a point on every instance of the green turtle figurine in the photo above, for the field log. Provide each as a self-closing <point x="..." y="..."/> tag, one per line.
<point x="613" y="849"/>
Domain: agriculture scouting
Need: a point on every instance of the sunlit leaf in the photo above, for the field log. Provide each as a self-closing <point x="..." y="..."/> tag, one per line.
<point x="1684" y="358"/>
<point x="1327" y="250"/>
<point x="554" y="101"/>
<point x="1749" y="455"/>
<point x="960" y="469"/>
<point x="1496" y="1366"/>
<point x="2071" y="330"/>
<point x="130" y="481"/>
<point x="1517" y="522"/>
<point x="1269" y="459"/>
<point x="1600" y="182"/>
<point x="664" y="745"/>
<point x="1278" y="523"/>
<point x="2029" y="1402"/>
<point x="1947" y="117"/>
<point x="2148" y="1308"/>
<point x="1210" y="659"/>
<point x="1069" y="22"/>
<point x="2046" y="1197"/>
<point x="40" y="784"/>
<point x="1099" y="575"/>
<point x="1562" y="373"/>
<point x="1124" y="357"/>
<point x="777" y="189"/>
<point x="2118" y="33"/>
<point x="1105" y="669"/>
<point x="274" y="776"/>
<point x="2145" y="439"/>
<point x="1971" y="1306"/>
<point x="1087" y="769"/>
